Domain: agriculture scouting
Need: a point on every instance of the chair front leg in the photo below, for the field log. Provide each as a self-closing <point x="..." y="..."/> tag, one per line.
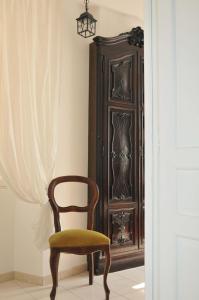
<point x="54" y="262"/>
<point x="106" y="270"/>
<point x="90" y="268"/>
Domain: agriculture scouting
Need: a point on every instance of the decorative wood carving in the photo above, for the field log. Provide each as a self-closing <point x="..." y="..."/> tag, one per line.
<point x="137" y="37"/>
<point x="121" y="80"/>
<point x="120" y="233"/>
<point x="121" y="155"/>
<point x="134" y="37"/>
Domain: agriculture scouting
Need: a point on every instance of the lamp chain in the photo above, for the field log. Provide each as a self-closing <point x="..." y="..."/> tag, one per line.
<point x="86" y="4"/>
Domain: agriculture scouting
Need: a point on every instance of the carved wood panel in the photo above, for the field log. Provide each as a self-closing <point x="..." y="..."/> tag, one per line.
<point x="122" y="75"/>
<point x="122" y="227"/>
<point x="122" y="155"/>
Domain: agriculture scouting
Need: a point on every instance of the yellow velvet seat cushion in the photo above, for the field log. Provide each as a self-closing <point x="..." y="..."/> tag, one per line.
<point x="77" y="238"/>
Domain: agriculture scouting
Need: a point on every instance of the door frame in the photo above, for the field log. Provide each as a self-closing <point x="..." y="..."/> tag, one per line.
<point x="151" y="152"/>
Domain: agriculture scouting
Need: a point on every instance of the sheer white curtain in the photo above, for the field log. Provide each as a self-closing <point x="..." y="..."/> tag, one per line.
<point x="30" y="81"/>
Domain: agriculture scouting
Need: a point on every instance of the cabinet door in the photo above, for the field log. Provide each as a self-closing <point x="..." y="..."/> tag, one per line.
<point x="121" y="149"/>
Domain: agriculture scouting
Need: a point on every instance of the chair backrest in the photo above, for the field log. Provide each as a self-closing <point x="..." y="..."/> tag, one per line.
<point x="90" y="208"/>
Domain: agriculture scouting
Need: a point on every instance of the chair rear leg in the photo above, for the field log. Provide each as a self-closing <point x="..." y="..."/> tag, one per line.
<point x="106" y="270"/>
<point x="90" y="268"/>
<point x="54" y="262"/>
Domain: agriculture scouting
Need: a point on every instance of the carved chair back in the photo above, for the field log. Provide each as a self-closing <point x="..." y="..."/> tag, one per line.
<point x="90" y="208"/>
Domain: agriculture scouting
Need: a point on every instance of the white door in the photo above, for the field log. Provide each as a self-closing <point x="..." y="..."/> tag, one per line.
<point x="175" y="36"/>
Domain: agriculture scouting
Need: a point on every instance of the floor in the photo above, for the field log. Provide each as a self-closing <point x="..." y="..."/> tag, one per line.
<point x="127" y="284"/>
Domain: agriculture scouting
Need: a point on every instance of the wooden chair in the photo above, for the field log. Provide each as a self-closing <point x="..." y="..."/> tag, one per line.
<point x="77" y="241"/>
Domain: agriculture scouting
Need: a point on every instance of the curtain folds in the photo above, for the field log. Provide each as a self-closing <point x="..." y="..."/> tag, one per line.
<point x="30" y="68"/>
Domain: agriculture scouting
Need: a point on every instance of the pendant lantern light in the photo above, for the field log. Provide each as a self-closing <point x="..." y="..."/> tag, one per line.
<point x="86" y="23"/>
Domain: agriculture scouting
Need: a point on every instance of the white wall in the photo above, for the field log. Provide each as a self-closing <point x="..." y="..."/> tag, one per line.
<point x="111" y="22"/>
<point x="27" y="259"/>
<point x="7" y="201"/>
<point x="73" y="140"/>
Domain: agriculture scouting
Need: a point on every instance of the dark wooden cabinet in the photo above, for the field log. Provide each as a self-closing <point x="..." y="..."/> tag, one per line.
<point x="116" y="144"/>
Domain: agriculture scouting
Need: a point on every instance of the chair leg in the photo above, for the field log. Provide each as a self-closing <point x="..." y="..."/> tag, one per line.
<point x="106" y="270"/>
<point x="54" y="262"/>
<point x="90" y="268"/>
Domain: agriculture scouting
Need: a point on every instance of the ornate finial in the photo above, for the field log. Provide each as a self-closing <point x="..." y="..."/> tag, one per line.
<point x="137" y="37"/>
